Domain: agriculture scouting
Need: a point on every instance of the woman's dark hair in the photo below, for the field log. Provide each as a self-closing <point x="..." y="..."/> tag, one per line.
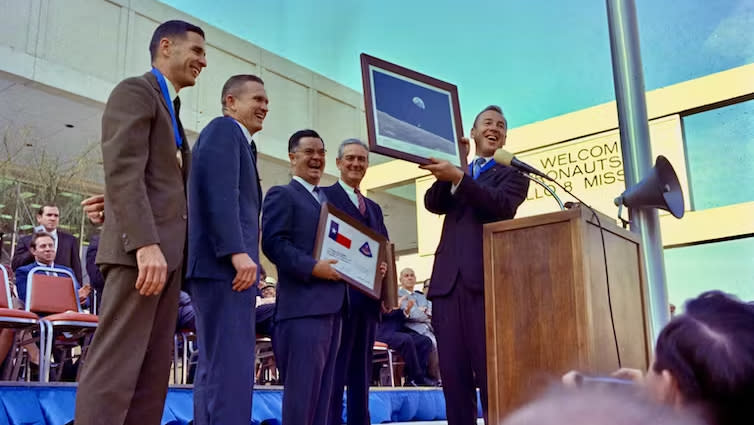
<point x="709" y="350"/>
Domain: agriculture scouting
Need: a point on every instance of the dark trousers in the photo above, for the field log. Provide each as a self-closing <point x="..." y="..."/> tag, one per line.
<point x="305" y="351"/>
<point x="225" y="335"/>
<point x="125" y="376"/>
<point x="353" y="368"/>
<point x="415" y="350"/>
<point x="458" y="319"/>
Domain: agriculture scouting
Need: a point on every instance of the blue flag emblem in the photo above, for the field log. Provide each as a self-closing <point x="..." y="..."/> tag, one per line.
<point x="365" y="250"/>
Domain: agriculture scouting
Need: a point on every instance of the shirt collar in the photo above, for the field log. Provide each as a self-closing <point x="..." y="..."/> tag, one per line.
<point x="347" y="187"/>
<point x="245" y="131"/>
<point x="485" y="158"/>
<point x="45" y="265"/>
<point x="308" y="186"/>
<point x="171" y="89"/>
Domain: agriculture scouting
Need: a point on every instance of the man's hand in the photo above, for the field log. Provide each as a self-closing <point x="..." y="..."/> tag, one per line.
<point x="383" y="269"/>
<point x="385" y="309"/>
<point x="324" y="270"/>
<point x="409" y="305"/>
<point x="443" y="170"/>
<point x="94" y="207"/>
<point x="84" y="293"/>
<point x="246" y="271"/>
<point x="153" y="270"/>
<point x="629" y="374"/>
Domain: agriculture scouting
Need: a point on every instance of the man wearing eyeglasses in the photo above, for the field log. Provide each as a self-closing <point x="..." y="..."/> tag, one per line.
<point x="310" y="296"/>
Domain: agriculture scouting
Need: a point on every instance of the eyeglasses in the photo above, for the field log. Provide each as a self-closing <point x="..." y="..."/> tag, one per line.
<point x="311" y="152"/>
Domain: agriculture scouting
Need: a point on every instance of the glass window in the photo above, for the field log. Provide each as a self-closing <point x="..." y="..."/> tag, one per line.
<point x="720" y="155"/>
<point x="727" y="266"/>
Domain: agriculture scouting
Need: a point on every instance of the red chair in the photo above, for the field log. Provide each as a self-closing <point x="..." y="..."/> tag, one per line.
<point x="57" y="297"/>
<point x="11" y="318"/>
<point x="383" y="354"/>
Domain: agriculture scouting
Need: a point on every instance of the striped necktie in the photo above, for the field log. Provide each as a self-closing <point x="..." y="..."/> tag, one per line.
<point x="362" y="203"/>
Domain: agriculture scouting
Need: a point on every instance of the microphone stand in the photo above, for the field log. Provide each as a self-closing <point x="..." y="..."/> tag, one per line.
<point x="546" y="187"/>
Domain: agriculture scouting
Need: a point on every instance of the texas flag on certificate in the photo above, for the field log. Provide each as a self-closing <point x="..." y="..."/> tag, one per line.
<point x="338" y="237"/>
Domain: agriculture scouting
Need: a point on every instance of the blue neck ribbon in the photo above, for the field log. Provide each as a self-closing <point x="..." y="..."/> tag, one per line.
<point x="489" y="164"/>
<point x="166" y="94"/>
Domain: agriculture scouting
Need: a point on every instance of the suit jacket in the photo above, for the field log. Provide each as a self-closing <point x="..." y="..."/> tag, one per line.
<point x="494" y="195"/>
<point x="67" y="253"/>
<point x="145" y="196"/>
<point x="96" y="280"/>
<point x="391" y="324"/>
<point x="337" y="196"/>
<point x="224" y="201"/>
<point x="290" y="217"/>
<point x="22" y="276"/>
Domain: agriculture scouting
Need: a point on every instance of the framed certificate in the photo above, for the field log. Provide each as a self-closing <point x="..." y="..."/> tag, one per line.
<point x="411" y="116"/>
<point x="358" y="249"/>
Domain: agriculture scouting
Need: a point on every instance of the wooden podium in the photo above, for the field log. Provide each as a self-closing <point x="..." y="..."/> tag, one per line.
<point x="546" y="300"/>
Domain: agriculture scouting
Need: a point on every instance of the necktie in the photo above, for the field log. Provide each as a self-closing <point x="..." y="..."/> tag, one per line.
<point x="477" y="168"/>
<point x="320" y="195"/>
<point x="362" y="203"/>
<point x="177" y="109"/>
<point x="254" y="151"/>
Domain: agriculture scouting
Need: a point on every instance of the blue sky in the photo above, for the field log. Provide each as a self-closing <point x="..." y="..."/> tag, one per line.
<point x="536" y="59"/>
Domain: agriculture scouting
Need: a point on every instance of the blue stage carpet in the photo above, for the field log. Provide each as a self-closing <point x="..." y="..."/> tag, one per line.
<point x="53" y="404"/>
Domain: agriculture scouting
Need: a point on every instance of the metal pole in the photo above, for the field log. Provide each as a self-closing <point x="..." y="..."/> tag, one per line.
<point x="637" y="153"/>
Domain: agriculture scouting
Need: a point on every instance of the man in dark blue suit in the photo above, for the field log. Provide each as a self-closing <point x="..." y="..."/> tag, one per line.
<point x="310" y="294"/>
<point x="224" y="204"/>
<point x="353" y="366"/>
<point x="66" y="245"/>
<point x="489" y="192"/>
<point x="42" y="249"/>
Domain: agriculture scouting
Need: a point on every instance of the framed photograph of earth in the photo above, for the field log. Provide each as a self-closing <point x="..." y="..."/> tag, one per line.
<point x="411" y="116"/>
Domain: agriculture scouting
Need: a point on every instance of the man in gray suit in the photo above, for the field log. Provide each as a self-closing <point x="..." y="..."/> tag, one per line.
<point x="146" y="159"/>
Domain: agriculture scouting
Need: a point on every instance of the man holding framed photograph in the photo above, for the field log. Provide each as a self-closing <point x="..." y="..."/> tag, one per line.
<point x="489" y="192"/>
<point x="353" y="366"/>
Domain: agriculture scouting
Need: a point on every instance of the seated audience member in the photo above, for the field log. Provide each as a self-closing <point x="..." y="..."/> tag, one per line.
<point x="413" y="347"/>
<point x="265" y="308"/>
<point x="42" y="248"/>
<point x="419" y="317"/>
<point x="704" y="361"/>
<point x="66" y="245"/>
<point x="592" y="406"/>
<point x="186" y="314"/>
<point x="96" y="280"/>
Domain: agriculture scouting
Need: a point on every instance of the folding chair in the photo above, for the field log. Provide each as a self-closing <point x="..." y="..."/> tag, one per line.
<point x="383" y="354"/>
<point x="57" y="296"/>
<point x="11" y="318"/>
<point x="183" y="355"/>
<point x="264" y="362"/>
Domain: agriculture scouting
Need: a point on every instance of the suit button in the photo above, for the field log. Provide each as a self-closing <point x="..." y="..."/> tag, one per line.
<point x="185" y="217"/>
<point x="123" y="236"/>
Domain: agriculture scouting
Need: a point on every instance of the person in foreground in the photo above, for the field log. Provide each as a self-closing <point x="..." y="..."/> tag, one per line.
<point x="489" y="192"/>
<point x="594" y="406"/>
<point x="704" y="361"/>
<point x="310" y="295"/>
<point x="141" y="253"/>
<point x="225" y="200"/>
<point x="353" y="366"/>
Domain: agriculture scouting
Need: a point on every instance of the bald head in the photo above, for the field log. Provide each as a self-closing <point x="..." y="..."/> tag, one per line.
<point x="408" y="279"/>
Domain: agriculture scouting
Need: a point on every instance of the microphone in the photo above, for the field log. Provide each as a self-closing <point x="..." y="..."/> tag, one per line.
<point x="506" y="158"/>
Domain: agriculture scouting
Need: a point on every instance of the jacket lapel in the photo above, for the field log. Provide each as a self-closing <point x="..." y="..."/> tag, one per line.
<point x="301" y="189"/>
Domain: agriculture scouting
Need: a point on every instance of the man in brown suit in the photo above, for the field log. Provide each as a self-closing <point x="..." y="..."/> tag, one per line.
<point x="141" y="253"/>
